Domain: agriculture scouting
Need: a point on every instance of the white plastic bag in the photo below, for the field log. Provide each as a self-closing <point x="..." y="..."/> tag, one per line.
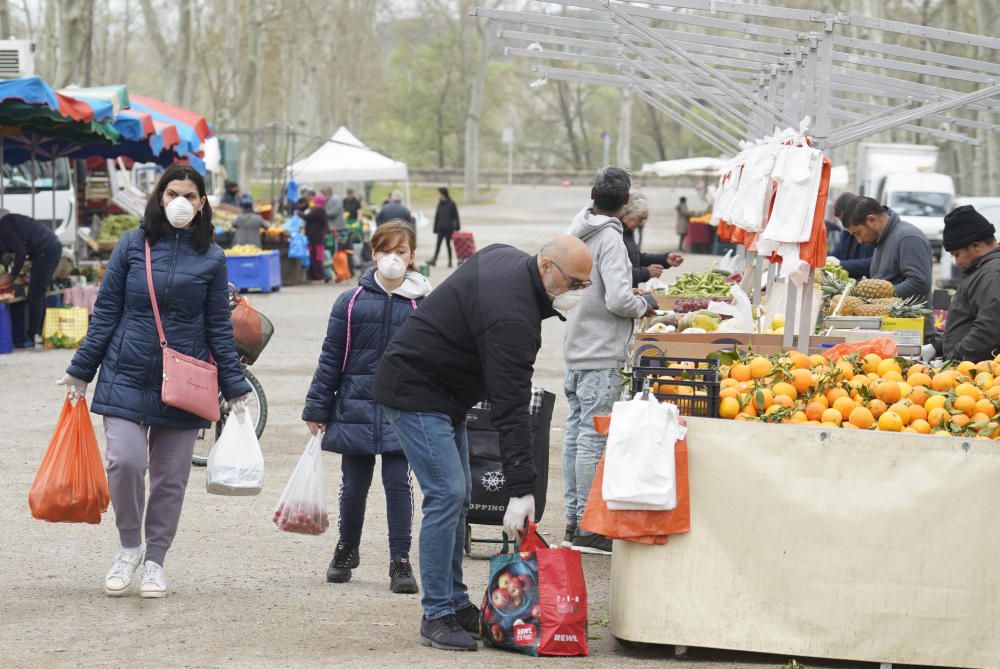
<point x="741" y="311"/>
<point x="639" y="458"/>
<point x="302" y="505"/>
<point x="236" y="464"/>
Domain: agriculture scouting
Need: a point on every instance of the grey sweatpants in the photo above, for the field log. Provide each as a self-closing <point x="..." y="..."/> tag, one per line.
<point x="133" y="448"/>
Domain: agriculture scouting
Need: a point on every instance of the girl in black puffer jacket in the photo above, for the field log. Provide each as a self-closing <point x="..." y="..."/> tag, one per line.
<point x="340" y="401"/>
<point x="189" y="276"/>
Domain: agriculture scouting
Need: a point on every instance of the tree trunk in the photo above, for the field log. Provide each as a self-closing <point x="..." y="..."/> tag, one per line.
<point x="126" y="33"/>
<point x="5" y="31"/>
<point x="181" y="56"/>
<point x="569" y="123"/>
<point x="474" y="115"/>
<point x="988" y="23"/>
<point x="625" y="131"/>
<point x="72" y="39"/>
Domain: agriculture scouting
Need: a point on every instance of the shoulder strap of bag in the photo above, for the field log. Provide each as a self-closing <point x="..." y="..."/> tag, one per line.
<point x="350" y="310"/>
<point x="152" y="298"/>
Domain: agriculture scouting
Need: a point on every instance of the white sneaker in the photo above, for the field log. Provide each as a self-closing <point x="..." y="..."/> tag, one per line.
<point x="153" y="584"/>
<point x="119" y="577"/>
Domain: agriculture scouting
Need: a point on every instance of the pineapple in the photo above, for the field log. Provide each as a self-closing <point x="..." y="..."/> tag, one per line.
<point x="871" y="289"/>
<point x="850" y="306"/>
<point x="872" y="309"/>
<point x="832" y="285"/>
<point x="913" y="307"/>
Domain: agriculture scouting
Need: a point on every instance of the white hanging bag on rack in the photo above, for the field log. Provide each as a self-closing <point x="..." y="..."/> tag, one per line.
<point x="639" y="459"/>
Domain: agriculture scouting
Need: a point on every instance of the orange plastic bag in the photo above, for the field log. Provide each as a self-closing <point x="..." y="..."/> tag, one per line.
<point x="645" y="527"/>
<point x="341" y="265"/>
<point x="883" y="347"/>
<point x="70" y="485"/>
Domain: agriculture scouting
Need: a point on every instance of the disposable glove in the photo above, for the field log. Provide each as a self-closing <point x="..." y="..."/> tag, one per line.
<point x="519" y="511"/>
<point x="927" y="352"/>
<point x="74" y="386"/>
<point x="238" y="405"/>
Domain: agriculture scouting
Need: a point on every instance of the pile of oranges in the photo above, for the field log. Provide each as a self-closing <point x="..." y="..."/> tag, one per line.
<point x="866" y="393"/>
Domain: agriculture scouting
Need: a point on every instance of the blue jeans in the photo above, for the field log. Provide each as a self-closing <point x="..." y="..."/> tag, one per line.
<point x="438" y="453"/>
<point x="590" y="393"/>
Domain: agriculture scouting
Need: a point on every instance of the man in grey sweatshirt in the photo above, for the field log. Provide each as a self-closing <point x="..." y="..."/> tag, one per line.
<point x="597" y="334"/>
<point x="902" y="256"/>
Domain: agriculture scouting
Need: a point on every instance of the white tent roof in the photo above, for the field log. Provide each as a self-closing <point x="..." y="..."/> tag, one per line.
<point x="684" y="167"/>
<point x="344" y="158"/>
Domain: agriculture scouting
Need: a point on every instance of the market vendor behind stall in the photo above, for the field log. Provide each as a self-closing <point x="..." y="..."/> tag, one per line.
<point x="644" y="265"/>
<point x="30" y="240"/>
<point x="973" y="328"/>
<point x="854" y="257"/>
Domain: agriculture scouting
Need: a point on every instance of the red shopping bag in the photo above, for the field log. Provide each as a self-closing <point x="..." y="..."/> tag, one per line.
<point x="70" y="485"/>
<point x="536" y="602"/>
<point x="645" y="527"/>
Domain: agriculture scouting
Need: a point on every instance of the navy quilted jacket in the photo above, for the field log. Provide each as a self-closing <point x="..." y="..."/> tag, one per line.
<point x="343" y="399"/>
<point x="192" y="291"/>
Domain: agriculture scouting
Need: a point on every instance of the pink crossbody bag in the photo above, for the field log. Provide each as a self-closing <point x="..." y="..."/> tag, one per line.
<point x="189" y="384"/>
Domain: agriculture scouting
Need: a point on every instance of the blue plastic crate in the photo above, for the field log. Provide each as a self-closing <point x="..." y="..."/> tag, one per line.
<point x="259" y="272"/>
<point x="6" y="331"/>
<point x="54" y="300"/>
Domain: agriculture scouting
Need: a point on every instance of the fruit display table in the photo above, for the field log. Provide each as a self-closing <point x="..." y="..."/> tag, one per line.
<point x="819" y="542"/>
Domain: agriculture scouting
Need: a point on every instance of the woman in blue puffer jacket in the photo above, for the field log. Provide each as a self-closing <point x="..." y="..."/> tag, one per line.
<point x="340" y="401"/>
<point x="189" y="276"/>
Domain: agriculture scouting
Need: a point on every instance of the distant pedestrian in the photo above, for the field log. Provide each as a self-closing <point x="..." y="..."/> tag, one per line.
<point x="394" y="209"/>
<point x="316" y="231"/>
<point x="352" y="205"/>
<point x="445" y="222"/>
<point x="28" y="239"/>
<point x="247" y="224"/>
<point x="189" y="277"/>
<point x="683" y="221"/>
<point x="334" y="210"/>
<point x="341" y="405"/>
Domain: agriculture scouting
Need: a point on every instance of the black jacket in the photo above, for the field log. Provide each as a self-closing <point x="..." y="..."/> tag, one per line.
<point x="973" y="329"/>
<point x="316" y="225"/>
<point x="24" y="237"/>
<point x="352" y="206"/>
<point x="192" y="291"/>
<point x="394" y="210"/>
<point x="854" y="257"/>
<point x="640" y="261"/>
<point x="446" y="218"/>
<point x="475" y="338"/>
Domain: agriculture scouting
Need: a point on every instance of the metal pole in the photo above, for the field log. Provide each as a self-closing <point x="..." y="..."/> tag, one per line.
<point x="510" y="163"/>
<point x="805" y="323"/>
<point x="791" y="295"/>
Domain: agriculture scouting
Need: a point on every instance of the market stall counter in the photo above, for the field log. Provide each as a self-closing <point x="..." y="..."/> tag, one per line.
<point x="816" y="542"/>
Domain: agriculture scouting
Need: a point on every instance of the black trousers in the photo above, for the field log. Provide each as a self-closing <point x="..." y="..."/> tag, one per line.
<point x="446" y="238"/>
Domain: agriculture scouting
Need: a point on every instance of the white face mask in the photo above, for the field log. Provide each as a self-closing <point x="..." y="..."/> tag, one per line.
<point x="391" y="266"/>
<point x="566" y="301"/>
<point x="180" y="212"/>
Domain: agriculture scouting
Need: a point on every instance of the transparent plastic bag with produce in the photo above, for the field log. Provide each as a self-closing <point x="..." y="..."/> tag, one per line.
<point x="236" y="463"/>
<point x="302" y="505"/>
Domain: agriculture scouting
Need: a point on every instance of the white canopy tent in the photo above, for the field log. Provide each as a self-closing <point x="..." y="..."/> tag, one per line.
<point x="344" y="158"/>
<point x="685" y="167"/>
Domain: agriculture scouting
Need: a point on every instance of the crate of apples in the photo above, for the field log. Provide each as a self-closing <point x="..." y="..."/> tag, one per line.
<point x="864" y="392"/>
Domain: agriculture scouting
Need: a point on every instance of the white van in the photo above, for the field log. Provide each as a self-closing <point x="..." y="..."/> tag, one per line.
<point x="920" y="199"/>
<point x="54" y="201"/>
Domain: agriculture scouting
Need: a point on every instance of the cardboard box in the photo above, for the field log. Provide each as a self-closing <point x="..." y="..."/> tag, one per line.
<point x="700" y="345"/>
<point x="911" y="330"/>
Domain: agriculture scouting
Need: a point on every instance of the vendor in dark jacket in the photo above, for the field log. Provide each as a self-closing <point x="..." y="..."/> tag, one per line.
<point x="854" y="257"/>
<point x="644" y="265"/>
<point x="192" y="291"/>
<point x="28" y="239"/>
<point x="340" y="403"/>
<point x="973" y="329"/>
<point x="474" y="338"/>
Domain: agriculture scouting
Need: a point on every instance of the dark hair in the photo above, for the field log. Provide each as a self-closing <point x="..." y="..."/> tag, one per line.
<point x="302" y="204"/>
<point x="444" y="191"/>
<point x="843" y="204"/>
<point x="683" y="199"/>
<point x="155" y="220"/>
<point x="611" y="186"/>
<point x="861" y="209"/>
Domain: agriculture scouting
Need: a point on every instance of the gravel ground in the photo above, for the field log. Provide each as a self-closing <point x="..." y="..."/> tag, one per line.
<point x="242" y="593"/>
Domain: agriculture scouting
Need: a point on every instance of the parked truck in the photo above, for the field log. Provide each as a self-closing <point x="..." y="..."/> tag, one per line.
<point x="904" y="177"/>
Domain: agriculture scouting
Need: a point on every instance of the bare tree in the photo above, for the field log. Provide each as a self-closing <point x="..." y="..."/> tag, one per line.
<point x="73" y="39"/>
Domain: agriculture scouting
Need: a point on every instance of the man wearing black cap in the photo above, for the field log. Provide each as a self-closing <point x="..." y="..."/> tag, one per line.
<point x="973" y="330"/>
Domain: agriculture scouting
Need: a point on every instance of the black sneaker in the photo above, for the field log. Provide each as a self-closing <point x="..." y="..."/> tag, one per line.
<point x="570" y="535"/>
<point x="345" y="558"/>
<point x="595" y="544"/>
<point x="468" y="618"/>
<point x="401" y="580"/>
<point x="446" y="634"/>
